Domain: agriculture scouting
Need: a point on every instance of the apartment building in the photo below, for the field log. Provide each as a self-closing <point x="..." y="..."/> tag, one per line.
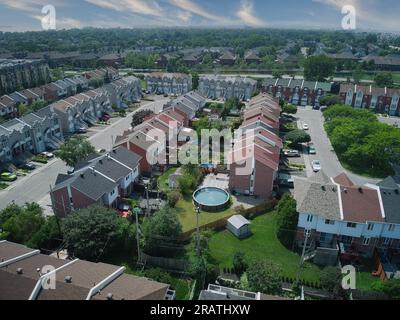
<point x="344" y="220"/>
<point x="16" y="74"/>
<point x="227" y="87"/>
<point x="169" y="83"/>
<point x="297" y="92"/>
<point x="382" y="100"/>
<point x="102" y="179"/>
<point x="8" y="107"/>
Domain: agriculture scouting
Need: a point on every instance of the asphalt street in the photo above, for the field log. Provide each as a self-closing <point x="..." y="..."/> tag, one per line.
<point x="325" y="153"/>
<point x="35" y="187"/>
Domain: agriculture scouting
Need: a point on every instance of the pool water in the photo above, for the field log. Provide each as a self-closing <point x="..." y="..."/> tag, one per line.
<point x="211" y="198"/>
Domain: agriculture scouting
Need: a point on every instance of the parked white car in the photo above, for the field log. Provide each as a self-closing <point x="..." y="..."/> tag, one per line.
<point x="48" y="155"/>
<point x="306" y="127"/>
<point x="316" y="165"/>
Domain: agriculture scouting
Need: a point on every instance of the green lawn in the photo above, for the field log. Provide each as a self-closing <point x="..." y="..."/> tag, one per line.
<point x="187" y="216"/>
<point x="163" y="180"/>
<point x="263" y="244"/>
<point x="143" y="84"/>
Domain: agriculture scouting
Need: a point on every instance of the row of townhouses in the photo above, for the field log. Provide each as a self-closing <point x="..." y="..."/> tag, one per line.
<point x="31" y="134"/>
<point x="344" y="220"/>
<point x="53" y="91"/>
<point x="169" y="83"/>
<point x="227" y="87"/>
<point x="101" y="178"/>
<point x="26" y="274"/>
<point x="257" y="148"/>
<point x="44" y="130"/>
<point x="382" y="100"/>
<point x="152" y="140"/>
<point x="297" y="92"/>
<point x="15" y="74"/>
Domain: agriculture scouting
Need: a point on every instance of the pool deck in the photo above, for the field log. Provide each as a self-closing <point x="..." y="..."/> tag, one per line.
<point x="222" y="181"/>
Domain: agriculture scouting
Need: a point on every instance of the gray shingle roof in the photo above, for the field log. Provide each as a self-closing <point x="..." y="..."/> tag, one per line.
<point x="317" y="196"/>
<point x="111" y="168"/>
<point x="92" y="184"/>
<point x="390" y="199"/>
<point x="126" y="157"/>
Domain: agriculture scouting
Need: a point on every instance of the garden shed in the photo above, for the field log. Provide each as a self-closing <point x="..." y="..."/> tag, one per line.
<point x="239" y="226"/>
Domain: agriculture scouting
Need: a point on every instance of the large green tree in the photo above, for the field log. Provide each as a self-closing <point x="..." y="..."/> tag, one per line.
<point x="161" y="232"/>
<point x="94" y="232"/>
<point x="384" y="79"/>
<point x="286" y="220"/>
<point x="318" y="68"/>
<point x="298" y="136"/>
<point x="75" y="149"/>
<point x="20" y="223"/>
<point x="264" y="276"/>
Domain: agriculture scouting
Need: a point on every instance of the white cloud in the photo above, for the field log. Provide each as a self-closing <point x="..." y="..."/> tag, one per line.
<point x="190" y="6"/>
<point x="185" y="16"/>
<point x="247" y="16"/>
<point x="149" y="7"/>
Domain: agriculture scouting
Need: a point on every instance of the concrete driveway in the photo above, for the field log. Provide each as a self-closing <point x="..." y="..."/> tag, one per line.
<point x="325" y="153"/>
<point x="36" y="186"/>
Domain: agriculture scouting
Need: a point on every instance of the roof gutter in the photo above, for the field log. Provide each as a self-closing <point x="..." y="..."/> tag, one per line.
<point x="105" y="282"/>
<point x="19" y="258"/>
<point x="39" y="284"/>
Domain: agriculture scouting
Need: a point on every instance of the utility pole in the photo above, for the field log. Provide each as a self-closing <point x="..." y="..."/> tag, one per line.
<point x="197" y="210"/>
<point x="307" y="236"/>
<point x="148" y="201"/>
<point x="136" y="211"/>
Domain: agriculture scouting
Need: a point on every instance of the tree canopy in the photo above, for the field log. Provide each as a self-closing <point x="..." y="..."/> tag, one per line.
<point x="75" y="149"/>
<point x="384" y="79"/>
<point x="95" y="231"/>
<point x="160" y="231"/>
<point x="286" y="220"/>
<point x="361" y="141"/>
<point x="318" y="68"/>
<point x="264" y="276"/>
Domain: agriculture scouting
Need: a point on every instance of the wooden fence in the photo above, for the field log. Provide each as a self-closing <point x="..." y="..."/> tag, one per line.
<point x="220" y="224"/>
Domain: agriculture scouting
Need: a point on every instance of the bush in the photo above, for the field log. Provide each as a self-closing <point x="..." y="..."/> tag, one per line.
<point x="173" y="197"/>
<point x="239" y="263"/>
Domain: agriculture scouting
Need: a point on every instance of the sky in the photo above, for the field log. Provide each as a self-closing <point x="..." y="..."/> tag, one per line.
<point x="371" y="15"/>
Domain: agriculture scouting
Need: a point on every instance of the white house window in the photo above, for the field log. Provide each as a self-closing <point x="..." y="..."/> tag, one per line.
<point x="351" y="225"/>
<point x="371" y="226"/>
<point x="310" y="218"/>
<point x="330" y="222"/>
<point x="392" y="227"/>
<point x="112" y="192"/>
<point x="366" y="241"/>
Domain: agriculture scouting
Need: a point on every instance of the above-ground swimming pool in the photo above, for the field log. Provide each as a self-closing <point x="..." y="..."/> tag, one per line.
<point x="211" y="199"/>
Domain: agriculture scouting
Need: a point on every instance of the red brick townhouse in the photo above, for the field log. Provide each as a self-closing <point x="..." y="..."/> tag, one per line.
<point x="101" y="179"/>
<point x="345" y="220"/>
<point x="23" y="271"/>
<point x="254" y="160"/>
<point x="382" y="100"/>
<point x="296" y="91"/>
